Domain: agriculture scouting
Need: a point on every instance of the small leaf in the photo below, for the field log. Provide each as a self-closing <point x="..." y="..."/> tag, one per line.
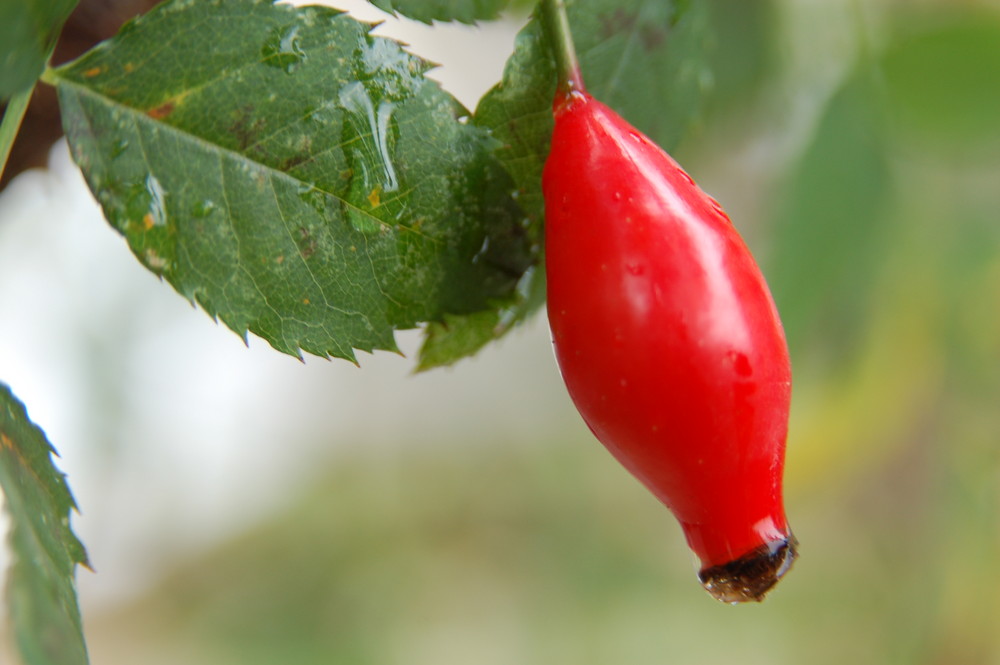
<point x="41" y="593"/>
<point x="831" y="229"/>
<point x="293" y="174"/>
<point x="647" y="60"/>
<point x="466" y="11"/>
<point x="745" y="51"/>
<point x="28" y="31"/>
<point x="942" y="81"/>
<point x="457" y="337"/>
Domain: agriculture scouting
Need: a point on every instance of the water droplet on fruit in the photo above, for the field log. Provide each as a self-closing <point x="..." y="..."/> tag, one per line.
<point x="718" y="209"/>
<point x="741" y="363"/>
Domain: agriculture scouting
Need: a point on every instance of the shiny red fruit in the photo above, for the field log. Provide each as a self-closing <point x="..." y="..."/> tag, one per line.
<point x="669" y="342"/>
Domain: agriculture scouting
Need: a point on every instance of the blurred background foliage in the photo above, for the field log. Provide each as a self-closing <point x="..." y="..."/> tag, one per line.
<point x="857" y="145"/>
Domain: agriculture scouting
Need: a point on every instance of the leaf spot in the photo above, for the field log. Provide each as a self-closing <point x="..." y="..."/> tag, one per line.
<point x="307" y="244"/>
<point x="154" y="260"/>
<point x="161" y="111"/>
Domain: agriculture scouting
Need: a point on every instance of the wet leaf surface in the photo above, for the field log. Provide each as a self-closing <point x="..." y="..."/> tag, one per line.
<point x="294" y="175"/>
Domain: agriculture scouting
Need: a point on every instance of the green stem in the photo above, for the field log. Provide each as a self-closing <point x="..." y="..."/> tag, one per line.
<point x="12" y="117"/>
<point x="557" y="29"/>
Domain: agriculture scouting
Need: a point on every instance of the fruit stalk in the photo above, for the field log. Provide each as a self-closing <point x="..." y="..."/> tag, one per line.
<point x="557" y="28"/>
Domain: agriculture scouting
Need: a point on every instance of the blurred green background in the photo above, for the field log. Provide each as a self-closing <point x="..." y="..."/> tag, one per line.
<point x="857" y="145"/>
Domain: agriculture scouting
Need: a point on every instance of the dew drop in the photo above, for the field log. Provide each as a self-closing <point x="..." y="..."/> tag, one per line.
<point x="157" y="206"/>
<point x="371" y="124"/>
<point x="483" y="249"/>
<point x="718" y="209"/>
<point x="283" y="49"/>
<point x="118" y="148"/>
<point x="368" y="132"/>
<point x="740" y="363"/>
<point x="313" y="196"/>
<point x="203" y="208"/>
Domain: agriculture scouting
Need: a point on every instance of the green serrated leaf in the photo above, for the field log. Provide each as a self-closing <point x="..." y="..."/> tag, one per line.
<point x="41" y="593"/>
<point x="293" y="174"/>
<point x="647" y="59"/>
<point x="466" y="11"/>
<point x="28" y="31"/>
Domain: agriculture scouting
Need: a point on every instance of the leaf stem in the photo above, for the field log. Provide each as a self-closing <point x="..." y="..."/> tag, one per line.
<point x="17" y="105"/>
<point x="556" y="24"/>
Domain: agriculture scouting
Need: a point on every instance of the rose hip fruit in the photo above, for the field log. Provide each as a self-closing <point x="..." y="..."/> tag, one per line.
<point x="669" y="341"/>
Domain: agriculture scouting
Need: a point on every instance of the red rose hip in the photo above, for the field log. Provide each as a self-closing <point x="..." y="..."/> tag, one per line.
<point x="669" y="341"/>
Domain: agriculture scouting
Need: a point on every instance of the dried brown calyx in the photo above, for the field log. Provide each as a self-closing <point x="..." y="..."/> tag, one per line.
<point x="751" y="576"/>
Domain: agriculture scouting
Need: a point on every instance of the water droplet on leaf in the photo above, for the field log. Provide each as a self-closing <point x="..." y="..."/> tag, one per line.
<point x="118" y="148"/>
<point x="203" y="208"/>
<point x="368" y="132"/>
<point x="283" y="49"/>
<point x="157" y="213"/>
